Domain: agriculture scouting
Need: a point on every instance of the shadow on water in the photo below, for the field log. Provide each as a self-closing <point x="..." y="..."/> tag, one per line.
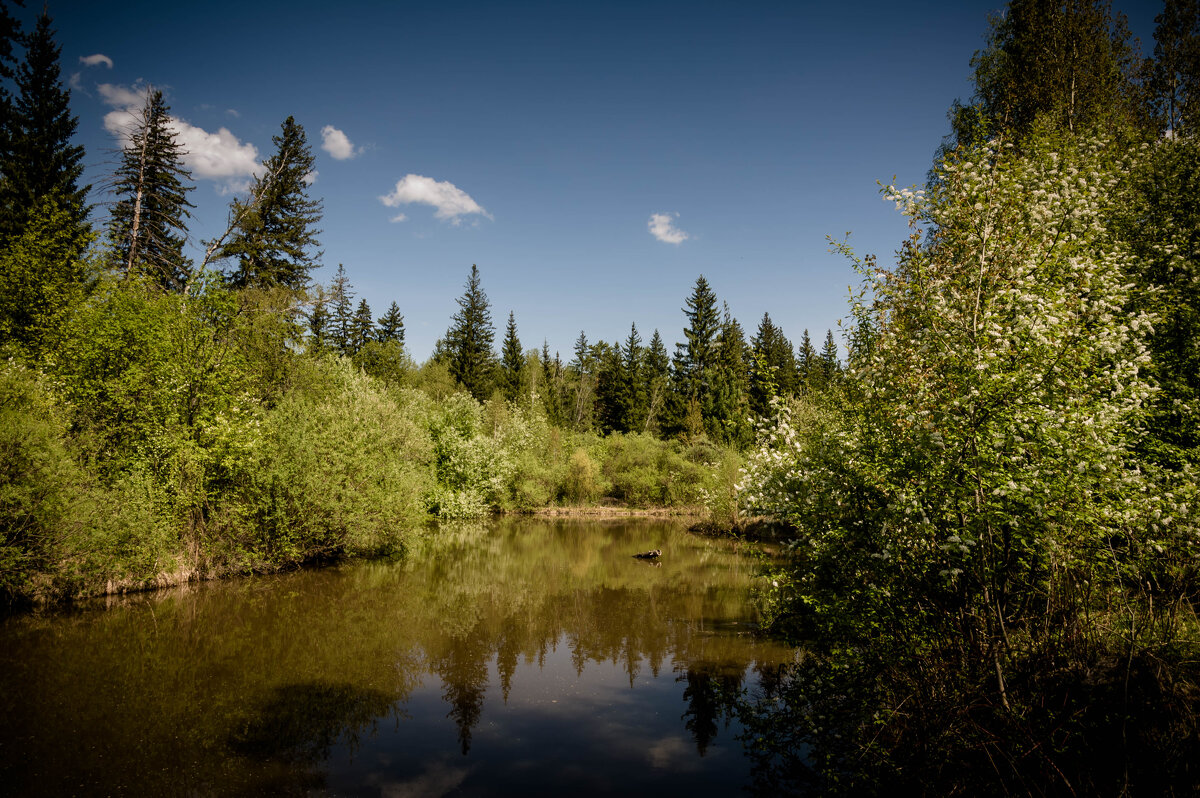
<point x="303" y="722"/>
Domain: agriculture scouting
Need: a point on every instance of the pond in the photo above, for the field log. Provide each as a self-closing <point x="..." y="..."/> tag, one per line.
<point x="530" y="657"/>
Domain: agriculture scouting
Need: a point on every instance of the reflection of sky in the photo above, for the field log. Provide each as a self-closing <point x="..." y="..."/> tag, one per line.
<point x="559" y="731"/>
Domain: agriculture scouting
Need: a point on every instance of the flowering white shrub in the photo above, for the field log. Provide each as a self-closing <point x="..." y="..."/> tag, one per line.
<point x="983" y="454"/>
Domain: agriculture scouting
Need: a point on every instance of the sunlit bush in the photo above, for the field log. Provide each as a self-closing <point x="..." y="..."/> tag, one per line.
<point x="347" y="473"/>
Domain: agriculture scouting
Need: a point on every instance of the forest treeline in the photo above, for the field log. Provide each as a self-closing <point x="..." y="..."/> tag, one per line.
<point x="996" y="564"/>
<point x="164" y="417"/>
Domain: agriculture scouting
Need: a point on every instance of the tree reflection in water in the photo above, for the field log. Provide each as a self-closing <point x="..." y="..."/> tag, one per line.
<point x="527" y="652"/>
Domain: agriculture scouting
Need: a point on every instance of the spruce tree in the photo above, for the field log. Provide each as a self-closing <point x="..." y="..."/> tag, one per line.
<point x="583" y="374"/>
<point x="773" y="366"/>
<point x="698" y="351"/>
<point x="633" y="392"/>
<point x="148" y="226"/>
<point x="319" y="324"/>
<point x="341" y="318"/>
<point x="362" y="327"/>
<point x="656" y="374"/>
<point x="391" y="326"/>
<point x="468" y="341"/>
<point x="275" y="240"/>
<point x="729" y="419"/>
<point x="808" y="375"/>
<point x="610" y="383"/>
<point x="511" y="361"/>
<point x="831" y="367"/>
<point x="551" y="379"/>
<point x="39" y="161"/>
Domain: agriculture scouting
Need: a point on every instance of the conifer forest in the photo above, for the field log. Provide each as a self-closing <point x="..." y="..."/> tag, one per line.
<point x="975" y="504"/>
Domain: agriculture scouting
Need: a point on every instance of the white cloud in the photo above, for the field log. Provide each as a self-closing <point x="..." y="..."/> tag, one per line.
<point x="216" y="156"/>
<point x="451" y="202"/>
<point x="337" y="143"/>
<point x="400" y="217"/>
<point x="96" y="60"/>
<point x="662" y="226"/>
<point x="123" y="97"/>
<point x="310" y="177"/>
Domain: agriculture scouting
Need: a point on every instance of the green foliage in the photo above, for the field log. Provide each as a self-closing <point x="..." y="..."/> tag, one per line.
<point x="1175" y="73"/>
<point x="1065" y="65"/>
<point x="1162" y="224"/>
<point x="729" y="415"/>
<point x="41" y="278"/>
<point x="386" y="361"/>
<point x="113" y="362"/>
<point x="38" y="480"/>
<point x="581" y="484"/>
<point x="60" y="532"/>
<point x="341" y="474"/>
<point x="471" y="469"/>
<point x="983" y="462"/>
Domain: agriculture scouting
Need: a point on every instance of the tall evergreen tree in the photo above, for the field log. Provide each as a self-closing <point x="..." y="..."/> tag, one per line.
<point x="633" y="393"/>
<point x="511" y="361"/>
<point x="610" y="384"/>
<point x="468" y="342"/>
<point x="319" y="323"/>
<point x="10" y="35"/>
<point x="39" y="161"/>
<point x="807" y="371"/>
<point x="583" y="375"/>
<point x="830" y="364"/>
<point x="341" y="318"/>
<point x="547" y="379"/>
<point x="697" y="354"/>
<point x="656" y="374"/>
<point x="149" y="220"/>
<point x="391" y="326"/>
<point x="729" y="417"/>
<point x="275" y="241"/>
<point x="362" y="327"/>
<point x="552" y="382"/>
<point x="773" y="366"/>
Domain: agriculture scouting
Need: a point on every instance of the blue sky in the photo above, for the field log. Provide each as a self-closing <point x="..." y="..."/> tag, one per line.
<point x="549" y="142"/>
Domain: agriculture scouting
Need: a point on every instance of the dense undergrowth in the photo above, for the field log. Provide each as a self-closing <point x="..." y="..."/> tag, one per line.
<point x="169" y="437"/>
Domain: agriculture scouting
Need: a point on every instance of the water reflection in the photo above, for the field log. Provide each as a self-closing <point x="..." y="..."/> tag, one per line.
<point x="537" y="656"/>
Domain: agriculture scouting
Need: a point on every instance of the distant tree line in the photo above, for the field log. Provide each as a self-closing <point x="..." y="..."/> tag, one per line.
<point x="714" y="385"/>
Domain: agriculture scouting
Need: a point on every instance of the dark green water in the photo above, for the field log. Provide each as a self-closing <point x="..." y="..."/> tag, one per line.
<point x="513" y="658"/>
